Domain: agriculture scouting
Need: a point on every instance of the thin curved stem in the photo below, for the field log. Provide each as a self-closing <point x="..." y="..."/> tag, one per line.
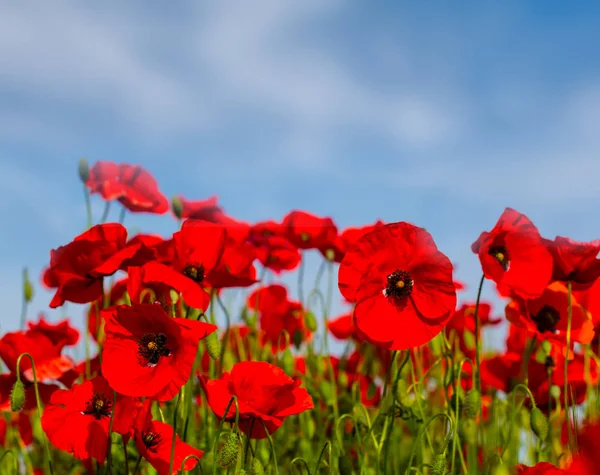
<point x="424" y="430"/>
<point x="174" y="438"/>
<point x="188" y="457"/>
<point x="106" y="211"/>
<point x="110" y="426"/>
<point x="327" y="444"/>
<point x="512" y="423"/>
<point x="233" y="400"/>
<point x="88" y="206"/>
<point x="296" y="460"/>
<point x="272" y="447"/>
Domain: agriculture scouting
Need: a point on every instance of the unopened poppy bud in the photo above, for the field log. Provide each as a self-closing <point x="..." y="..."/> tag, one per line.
<point x="343" y="379"/>
<point x="230" y="450"/>
<point x="213" y="345"/>
<point x="228" y="361"/>
<point x="27" y="287"/>
<point x="330" y="254"/>
<point x="472" y="403"/>
<point x="297" y="338"/>
<point x="311" y="321"/>
<point x="469" y="431"/>
<point x="84" y="170"/>
<point x="439" y="465"/>
<point x="326" y="391"/>
<point x="17" y="396"/>
<point x="546" y="347"/>
<point x="287" y="362"/>
<point x="256" y="468"/>
<point x="539" y="423"/>
<point x="177" y="206"/>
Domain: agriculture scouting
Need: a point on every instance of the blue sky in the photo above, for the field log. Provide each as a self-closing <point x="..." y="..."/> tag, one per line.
<point x="431" y="113"/>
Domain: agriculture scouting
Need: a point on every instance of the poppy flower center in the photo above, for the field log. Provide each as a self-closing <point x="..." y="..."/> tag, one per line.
<point x="546" y="319"/>
<point x="152" y="346"/>
<point x="196" y="273"/>
<point x="399" y="285"/>
<point x="151" y="439"/>
<point x="501" y="255"/>
<point x="305" y="236"/>
<point x="98" y="406"/>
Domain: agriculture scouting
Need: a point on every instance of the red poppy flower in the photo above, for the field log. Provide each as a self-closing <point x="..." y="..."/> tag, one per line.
<point x="587" y="460"/>
<point x="95" y="324"/>
<point x="463" y="322"/>
<point x="77" y="420"/>
<point x="343" y="327"/>
<point x="402" y="285"/>
<point x="80" y="371"/>
<point x="133" y="186"/>
<point x="146" y="353"/>
<point x="307" y="231"/>
<point x="264" y="392"/>
<point x="277" y="314"/>
<point x="198" y="249"/>
<point x="514" y="256"/>
<point x="235" y="268"/>
<point x="348" y="237"/>
<point x="153" y="440"/>
<point x="206" y="210"/>
<point x="60" y="334"/>
<point x="164" y="251"/>
<point x="541" y="468"/>
<point x="547" y="316"/>
<point x="575" y="261"/>
<point x="78" y="268"/>
<point x="49" y="363"/>
<point x="276" y="253"/>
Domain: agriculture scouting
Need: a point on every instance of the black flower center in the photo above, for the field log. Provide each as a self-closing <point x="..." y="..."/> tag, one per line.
<point x="500" y="253"/>
<point x="399" y="285"/>
<point x="98" y="406"/>
<point x="546" y="319"/>
<point x="151" y="439"/>
<point x="151" y="347"/>
<point x="196" y="273"/>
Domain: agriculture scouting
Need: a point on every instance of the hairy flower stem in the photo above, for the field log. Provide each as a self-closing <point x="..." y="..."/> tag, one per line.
<point x="38" y="402"/>
<point x="110" y="426"/>
<point x="566" y="368"/>
<point x="174" y="438"/>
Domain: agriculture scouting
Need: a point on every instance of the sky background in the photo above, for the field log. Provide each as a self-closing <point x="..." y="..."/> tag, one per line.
<point x="433" y="113"/>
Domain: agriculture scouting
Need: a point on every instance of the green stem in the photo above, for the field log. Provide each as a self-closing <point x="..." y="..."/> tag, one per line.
<point x="477" y="336"/>
<point x="424" y="431"/>
<point x="110" y="426"/>
<point x="137" y="465"/>
<point x="191" y="456"/>
<point x="512" y="423"/>
<point x="106" y="211"/>
<point x="327" y="444"/>
<point x="216" y="442"/>
<point x="273" y="448"/>
<point x="528" y="353"/>
<point x="88" y="206"/>
<point x="301" y="281"/>
<point x="122" y="214"/>
<point x="38" y="402"/>
<point x="16" y="461"/>
<point x="248" y="439"/>
<point x="125" y="455"/>
<point x="296" y="460"/>
<point x="174" y="438"/>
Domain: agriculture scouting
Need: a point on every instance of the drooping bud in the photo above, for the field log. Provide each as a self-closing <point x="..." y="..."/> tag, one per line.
<point x="472" y="404"/>
<point x="287" y="362"/>
<point x="539" y="423"/>
<point x="230" y="450"/>
<point x="177" y="206"/>
<point x="439" y="465"/>
<point x="17" y="396"/>
<point x="213" y="345"/>
<point x="343" y="379"/>
<point x="256" y="468"/>
<point x="311" y="321"/>
<point x="84" y="170"/>
<point x="27" y="286"/>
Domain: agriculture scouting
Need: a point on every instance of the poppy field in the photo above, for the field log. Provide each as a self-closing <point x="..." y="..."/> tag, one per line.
<point x="178" y="379"/>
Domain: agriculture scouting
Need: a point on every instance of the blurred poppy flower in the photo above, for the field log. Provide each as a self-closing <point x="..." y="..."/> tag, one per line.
<point x="235" y="268"/>
<point x="462" y="324"/>
<point x="514" y="256"/>
<point x="276" y="253"/>
<point x="402" y="285"/>
<point x="307" y="231"/>
<point x="153" y="439"/>
<point x="163" y="249"/>
<point x="575" y="261"/>
<point x="264" y="392"/>
<point x="199" y="246"/>
<point x="547" y="316"/>
<point x="587" y="459"/>
<point x="343" y="327"/>
<point x="60" y="334"/>
<point x="77" y="420"/>
<point x="347" y="238"/>
<point x="78" y="268"/>
<point x="148" y="354"/>
<point x="133" y="186"/>
<point x="277" y="314"/>
<point x="206" y="210"/>
<point x="541" y="468"/>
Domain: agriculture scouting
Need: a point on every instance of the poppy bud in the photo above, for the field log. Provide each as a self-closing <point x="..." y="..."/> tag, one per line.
<point x="27" y="287"/>
<point x="311" y="321"/>
<point x="213" y="345"/>
<point x="84" y="170"/>
<point x="287" y="362"/>
<point x="469" y="431"/>
<point x="472" y="403"/>
<point x="17" y="396"/>
<point x="539" y="423"/>
<point x="343" y="379"/>
<point x="256" y="468"/>
<point x="439" y="465"/>
<point x="230" y="450"/>
<point x="297" y="338"/>
<point x="228" y="361"/>
<point x="326" y="391"/>
<point x="310" y="428"/>
<point x="177" y="207"/>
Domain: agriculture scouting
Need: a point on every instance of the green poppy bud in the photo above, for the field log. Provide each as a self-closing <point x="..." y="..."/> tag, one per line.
<point x="84" y="170"/>
<point x="539" y="423"/>
<point x="230" y="450"/>
<point x="472" y="404"/>
<point x="439" y="465"/>
<point x="213" y="345"/>
<point x="27" y="287"/>
<point x="297" y="338"/>
<point x="468" y="429"/>
<point x="17" y="396"/>
<point x="256" y="468"/>
<point x="177" y="206"/>
<point x="311" y="321"/>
